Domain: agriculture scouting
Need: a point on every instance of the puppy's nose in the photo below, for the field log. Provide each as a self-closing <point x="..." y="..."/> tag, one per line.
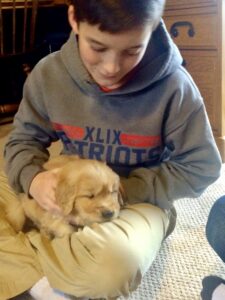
<point x="107" y="214"/>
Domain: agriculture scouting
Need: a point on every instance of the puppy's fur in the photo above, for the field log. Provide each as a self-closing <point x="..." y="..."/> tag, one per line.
<point x="87" y="192"/>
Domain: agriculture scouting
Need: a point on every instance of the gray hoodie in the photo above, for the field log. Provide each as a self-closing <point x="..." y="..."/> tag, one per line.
<point x="153" y="131"/>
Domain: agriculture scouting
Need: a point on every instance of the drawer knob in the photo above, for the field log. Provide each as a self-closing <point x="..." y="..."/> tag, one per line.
<point x="174" y="28"/>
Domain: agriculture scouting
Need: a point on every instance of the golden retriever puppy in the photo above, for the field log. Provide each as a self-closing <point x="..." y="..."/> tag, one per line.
<point x="87" y="191"/>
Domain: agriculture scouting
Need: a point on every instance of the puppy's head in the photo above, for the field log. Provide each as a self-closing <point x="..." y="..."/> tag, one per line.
<point x="88" y="191"/>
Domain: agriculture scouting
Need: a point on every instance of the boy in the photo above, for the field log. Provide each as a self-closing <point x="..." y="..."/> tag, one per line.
<point x="117" y="92"/>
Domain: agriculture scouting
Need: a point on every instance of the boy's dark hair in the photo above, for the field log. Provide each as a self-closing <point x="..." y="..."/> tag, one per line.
<point x="118" y="15"/>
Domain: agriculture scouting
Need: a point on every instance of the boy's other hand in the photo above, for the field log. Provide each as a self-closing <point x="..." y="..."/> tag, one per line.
<point x="42" y="189"/>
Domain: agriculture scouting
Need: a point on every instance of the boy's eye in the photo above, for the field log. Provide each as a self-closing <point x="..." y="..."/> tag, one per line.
<point x="133" y="52"/>
<point x="98" y="49"/>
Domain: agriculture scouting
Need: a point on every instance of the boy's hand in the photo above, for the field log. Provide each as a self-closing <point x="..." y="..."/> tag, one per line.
<point x="42" y="189"/>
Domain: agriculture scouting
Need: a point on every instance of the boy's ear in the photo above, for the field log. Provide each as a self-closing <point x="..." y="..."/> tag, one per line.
<point x="72" y="20"/>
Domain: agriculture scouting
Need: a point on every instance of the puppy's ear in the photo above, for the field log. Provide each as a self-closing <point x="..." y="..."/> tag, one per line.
<point x="121" y="196"/>
<point x="65" y="195"/>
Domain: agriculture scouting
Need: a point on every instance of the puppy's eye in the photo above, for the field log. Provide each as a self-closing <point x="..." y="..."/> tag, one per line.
<point x="114" y="193"/>
<point x="89" y="196"/>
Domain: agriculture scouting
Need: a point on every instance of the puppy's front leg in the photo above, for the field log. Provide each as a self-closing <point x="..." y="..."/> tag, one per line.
<point x="55" y="226"/>
<point x="15" y="214"/>
<point x="49" y="224"/>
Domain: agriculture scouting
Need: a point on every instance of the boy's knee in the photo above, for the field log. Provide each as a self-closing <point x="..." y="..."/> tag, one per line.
<point x="216" y="224"/>
<point x="115" y="272"/>
<point x="219" y="206"/>
<point x="216" y="214"/>
<point x="123" y="250"/>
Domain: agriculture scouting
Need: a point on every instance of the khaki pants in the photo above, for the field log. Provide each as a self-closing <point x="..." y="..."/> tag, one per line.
<point x="105" y="260"/>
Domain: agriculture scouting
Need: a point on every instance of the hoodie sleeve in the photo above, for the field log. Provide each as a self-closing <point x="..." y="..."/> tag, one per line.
<point x="26" y="150"/>
<point x="190" y="161"/>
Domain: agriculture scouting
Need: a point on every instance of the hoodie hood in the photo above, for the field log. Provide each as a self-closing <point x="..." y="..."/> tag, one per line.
<point x="161" y="59"/>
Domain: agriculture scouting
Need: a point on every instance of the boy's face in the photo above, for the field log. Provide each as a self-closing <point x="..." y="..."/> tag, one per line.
<point x="109" y="58"/>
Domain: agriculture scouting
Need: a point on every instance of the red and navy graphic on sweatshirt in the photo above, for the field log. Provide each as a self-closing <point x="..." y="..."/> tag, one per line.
<point x="110" y="145"/>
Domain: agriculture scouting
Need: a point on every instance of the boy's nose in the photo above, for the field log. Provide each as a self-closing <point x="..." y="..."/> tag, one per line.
<point x="111" y="67"/>
<point x="110" y="70"/>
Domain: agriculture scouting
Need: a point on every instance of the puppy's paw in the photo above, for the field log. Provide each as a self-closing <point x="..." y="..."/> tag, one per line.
<point x="57" y="229"/>
<point x="63" y="230"/>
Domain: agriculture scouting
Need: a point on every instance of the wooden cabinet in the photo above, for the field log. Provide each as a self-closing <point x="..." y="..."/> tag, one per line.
<point x="198" y="28"/>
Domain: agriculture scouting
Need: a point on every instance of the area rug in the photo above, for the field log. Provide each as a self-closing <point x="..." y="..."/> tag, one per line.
<point x="185" y="257"/>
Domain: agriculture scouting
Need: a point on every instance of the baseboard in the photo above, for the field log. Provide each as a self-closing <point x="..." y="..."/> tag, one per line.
<point x="220" y="141"/>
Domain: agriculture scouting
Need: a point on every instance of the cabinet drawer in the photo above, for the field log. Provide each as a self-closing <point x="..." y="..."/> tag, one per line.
<point x="203" y="67"/>
<point x="174" y="4"/>
<point x="194" y="31"/>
